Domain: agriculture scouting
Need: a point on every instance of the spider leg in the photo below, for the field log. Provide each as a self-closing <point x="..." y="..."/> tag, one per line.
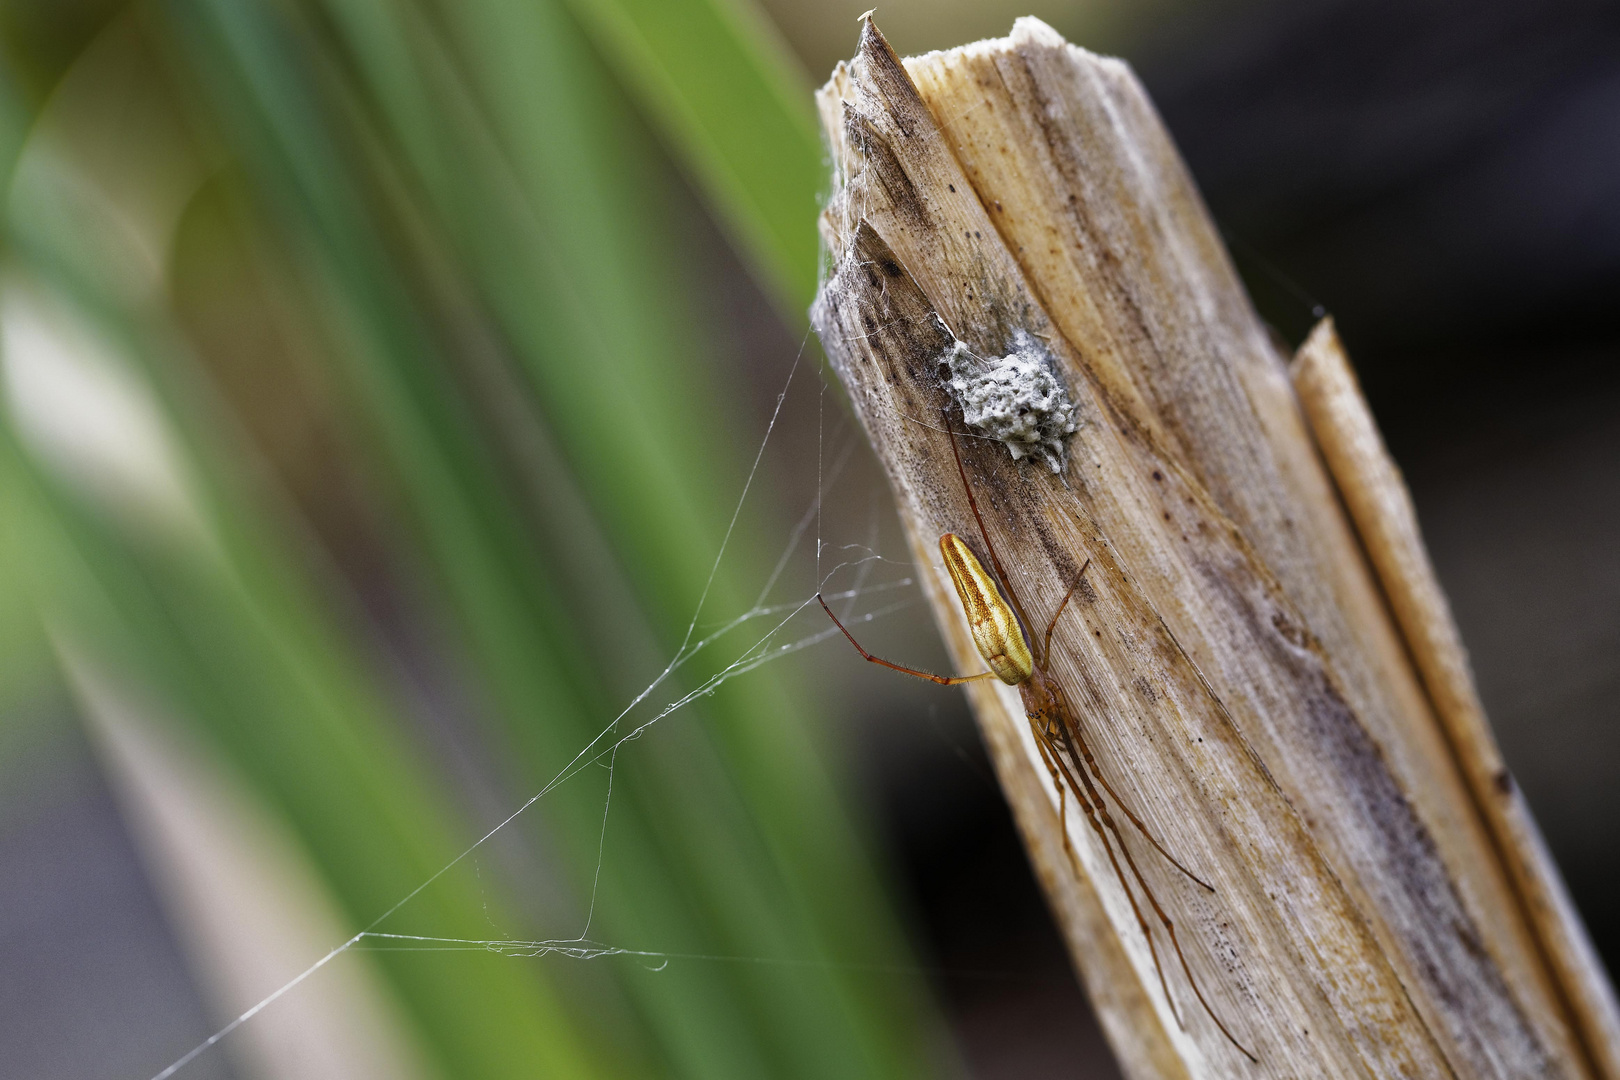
<point x="1062" y="792"/>
<point x="1083" y="789"/>
<point x="1078" y="741"/>
<point x="943" y="680"/>
<point x="1046" y="648"/>
<point x="1164" y="919"/>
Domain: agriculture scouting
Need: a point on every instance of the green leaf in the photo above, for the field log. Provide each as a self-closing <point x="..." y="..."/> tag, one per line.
<point x="440" y="242"/>
<point x="735" y="106"/>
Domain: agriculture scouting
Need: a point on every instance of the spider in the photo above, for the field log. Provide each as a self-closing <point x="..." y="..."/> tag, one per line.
<point x="998" y="633"/>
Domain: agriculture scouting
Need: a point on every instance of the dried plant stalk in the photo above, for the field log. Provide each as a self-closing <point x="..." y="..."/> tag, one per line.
<point x="1233" y="663"/>
<point x="1381" y="508"/>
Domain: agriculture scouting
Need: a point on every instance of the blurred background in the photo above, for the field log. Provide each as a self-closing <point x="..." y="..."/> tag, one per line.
<point x="380" y="382"/>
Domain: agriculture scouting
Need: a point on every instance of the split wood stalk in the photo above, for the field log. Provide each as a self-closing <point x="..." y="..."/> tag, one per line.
<point x="1294" y="718"/>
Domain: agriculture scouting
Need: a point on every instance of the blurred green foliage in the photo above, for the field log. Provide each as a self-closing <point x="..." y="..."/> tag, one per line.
<point x="434" y="432"/>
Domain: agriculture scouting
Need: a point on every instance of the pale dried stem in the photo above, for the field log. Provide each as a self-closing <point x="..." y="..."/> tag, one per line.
<point x="1231" y="658"/>
<point x="1379" y="504"/>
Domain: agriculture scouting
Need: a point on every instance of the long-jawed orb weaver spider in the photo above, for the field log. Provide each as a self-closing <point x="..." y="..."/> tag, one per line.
<point x="998" y="633"/>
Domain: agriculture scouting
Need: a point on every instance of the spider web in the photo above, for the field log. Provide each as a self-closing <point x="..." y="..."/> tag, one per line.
<point x="768" y="622"/>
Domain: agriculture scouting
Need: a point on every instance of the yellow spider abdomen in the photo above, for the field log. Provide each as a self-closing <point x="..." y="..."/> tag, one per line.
<point x="995" y="628"/>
